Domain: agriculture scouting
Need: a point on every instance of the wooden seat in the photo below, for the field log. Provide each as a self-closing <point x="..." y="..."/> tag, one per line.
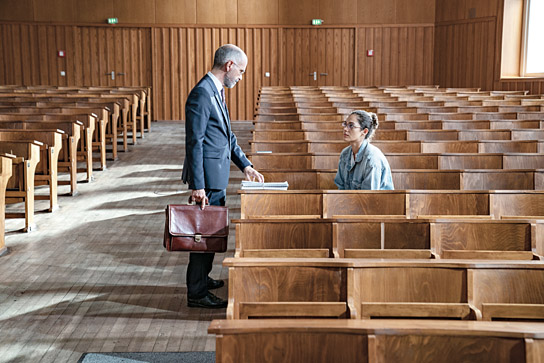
<point x="488" y="239"/>
<point x="509" y="294"/>
<point x="47" y="169"/>
<point x="5" y="174"/>
<point x="271" y="237"/>
<point x="21" y="184"/>
<point x="504" y="205"/>
<point x="284" y="288"/>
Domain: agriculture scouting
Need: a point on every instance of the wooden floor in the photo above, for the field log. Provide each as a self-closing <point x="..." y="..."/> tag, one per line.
<point x="94" y="276"/>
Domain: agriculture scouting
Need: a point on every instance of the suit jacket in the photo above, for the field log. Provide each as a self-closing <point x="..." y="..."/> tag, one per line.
<point x="210" y="144"/>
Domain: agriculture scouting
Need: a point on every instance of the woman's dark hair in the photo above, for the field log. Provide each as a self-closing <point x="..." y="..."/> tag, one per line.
<point x="367" y="120"/>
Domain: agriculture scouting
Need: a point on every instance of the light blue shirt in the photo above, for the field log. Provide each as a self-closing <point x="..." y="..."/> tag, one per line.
<point x="368" y="171"/>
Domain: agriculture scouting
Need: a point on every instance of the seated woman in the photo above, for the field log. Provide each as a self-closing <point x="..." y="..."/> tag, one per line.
<point x="362" y="165"/>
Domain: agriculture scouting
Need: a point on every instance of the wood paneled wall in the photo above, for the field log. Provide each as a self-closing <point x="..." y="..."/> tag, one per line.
<point x="402" y="55"/>
<point x="181" y="56"/>
<point x="28" y="55"/>
<point x="468" y="47"/>
<point x="270" y="12"/>
<point x="173" y="59"/>
<point x="465" y="54"/>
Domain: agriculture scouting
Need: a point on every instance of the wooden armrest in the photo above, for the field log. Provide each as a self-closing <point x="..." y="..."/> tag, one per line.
<point x="488" y="255"/>
<point x="416" y="310"/>
<point x="369" y="216"/>
<point x="470" y="217"/>
<point x="523" y="217"/>
<point x="287" y="253"/>
<point x="286" y="216"/>
<point x="513" y="311"/>
<point x="293" y="309"/>
<point x="389" y="253"/>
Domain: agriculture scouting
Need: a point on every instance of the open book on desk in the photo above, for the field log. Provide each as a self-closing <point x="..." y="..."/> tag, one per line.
<point x="250" y="185"/>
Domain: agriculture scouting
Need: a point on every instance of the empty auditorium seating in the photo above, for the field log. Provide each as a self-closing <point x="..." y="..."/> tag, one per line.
<point x="68" y="125"/>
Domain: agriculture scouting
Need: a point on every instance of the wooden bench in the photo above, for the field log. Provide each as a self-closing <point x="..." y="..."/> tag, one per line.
<point x="385" y="341"/>
<point x="89" y="122"/>
<point x="403" y="203"/>
<point x="429" y="161"/>
<point x="93" y="99"/>
<point x="284" y="237"/>
<point x="5" y="174"/>
<point x="408" y="135"/>
<point x="505" y="239"/>
<point x="382" y="236"/>
<point x="69" y="105"/>
<point x="487" y="179"/>
<point x="47" y="169"/>
<point x="361" y="288"/>
<point x="99" y="136"/>
<point x="389" y="146"/>
<point x="21" y="184"/>
<point x="410" y="290"/>
<point x="509" y="294"/>
<point x="287" y="288"/>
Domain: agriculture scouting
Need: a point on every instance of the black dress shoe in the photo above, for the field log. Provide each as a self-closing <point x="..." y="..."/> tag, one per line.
<point x="215" y="284"/>
<point x="209" y="301"/>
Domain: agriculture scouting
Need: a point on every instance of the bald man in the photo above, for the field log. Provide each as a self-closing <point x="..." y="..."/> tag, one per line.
<point x="210" y="145"/>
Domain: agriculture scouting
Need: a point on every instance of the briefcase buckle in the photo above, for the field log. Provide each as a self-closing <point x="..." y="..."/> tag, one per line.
<point x="198" y="237"/>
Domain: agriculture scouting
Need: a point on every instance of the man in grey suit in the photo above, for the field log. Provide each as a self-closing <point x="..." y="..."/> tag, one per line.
<point x="210" y="145"/>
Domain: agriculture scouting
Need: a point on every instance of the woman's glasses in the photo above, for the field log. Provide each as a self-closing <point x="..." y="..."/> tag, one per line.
<point x="350" y="125"/>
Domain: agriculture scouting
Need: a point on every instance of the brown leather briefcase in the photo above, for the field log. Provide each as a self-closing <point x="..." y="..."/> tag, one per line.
<point x="189" y="228"/>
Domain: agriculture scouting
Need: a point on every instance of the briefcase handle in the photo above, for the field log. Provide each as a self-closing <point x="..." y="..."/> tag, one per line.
<point x="192" y="202"/>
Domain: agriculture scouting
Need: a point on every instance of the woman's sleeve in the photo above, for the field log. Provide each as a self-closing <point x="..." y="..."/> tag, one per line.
<point x="338" y="180"/>
<point x="372" y="179"/>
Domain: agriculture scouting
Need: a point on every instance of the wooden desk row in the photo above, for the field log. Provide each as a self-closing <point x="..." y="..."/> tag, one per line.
<point x="483" y="179"/>
<point x="366" y="289"/>
<point x="404" y="135"/>
<point x="393" y="113"/>
<point x="391" y="146"/>
<point x="405" y="125"/>
<point x="376" y="341"/>
<point x="390" y="237"/>
<point x="492" y="204"/>
<point x="403" y="161"/>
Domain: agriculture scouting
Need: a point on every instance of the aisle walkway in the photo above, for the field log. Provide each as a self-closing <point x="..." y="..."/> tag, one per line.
<point x="94" y="276"/>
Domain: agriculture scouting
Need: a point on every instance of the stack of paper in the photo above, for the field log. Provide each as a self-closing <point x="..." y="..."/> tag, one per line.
<point x="250" y="185"/>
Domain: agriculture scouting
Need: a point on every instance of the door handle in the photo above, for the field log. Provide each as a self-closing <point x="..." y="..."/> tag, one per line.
<point x="120" y="74"/>
<point x="112" y="74"/>
<point x="323" y="74"/>
<point x="315" y="75"/>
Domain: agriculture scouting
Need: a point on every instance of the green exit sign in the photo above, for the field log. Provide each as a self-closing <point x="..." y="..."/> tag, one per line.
<point x="317" y="21"/>
<point x="113" y="20"/>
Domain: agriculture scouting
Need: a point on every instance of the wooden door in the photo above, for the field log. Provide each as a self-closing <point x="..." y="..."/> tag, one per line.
<point x="336" y="56"/>
<point x="319" y="56"/>
<point x="124" y="51"/>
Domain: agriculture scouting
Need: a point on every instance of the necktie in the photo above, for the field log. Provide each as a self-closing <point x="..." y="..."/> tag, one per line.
<point x="223" y="98"/>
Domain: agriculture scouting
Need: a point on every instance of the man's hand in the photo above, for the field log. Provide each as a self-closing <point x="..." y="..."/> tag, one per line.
<point x="199" y="196"/>
<point x="253" y="175"/>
